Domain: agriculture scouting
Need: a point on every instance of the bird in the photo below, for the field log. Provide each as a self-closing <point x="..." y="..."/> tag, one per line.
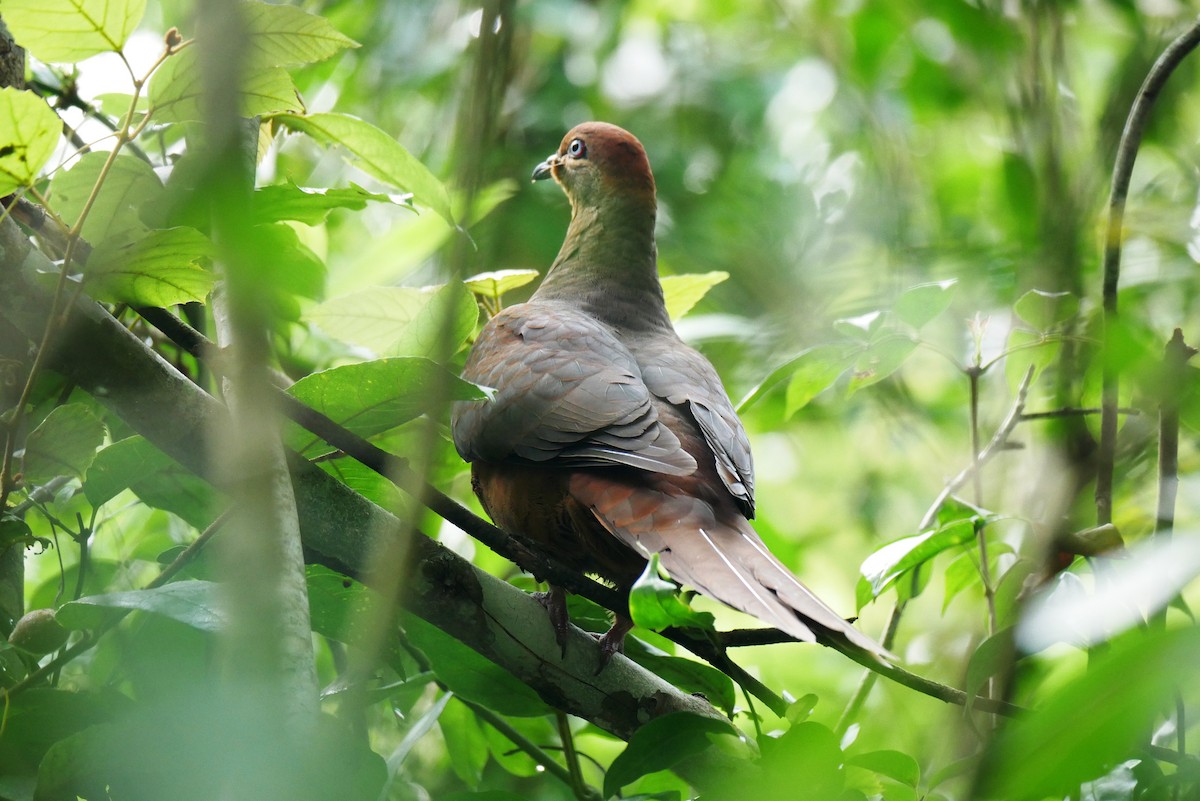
<point x="606" y="439"/>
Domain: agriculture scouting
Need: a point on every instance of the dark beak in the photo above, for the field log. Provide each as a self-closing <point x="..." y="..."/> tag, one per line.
<point x="546" y="169"/>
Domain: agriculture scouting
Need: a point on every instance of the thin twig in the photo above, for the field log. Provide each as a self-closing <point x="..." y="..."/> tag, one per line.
<point x="1127" y="149"/>
<point x="1076" y="411"/>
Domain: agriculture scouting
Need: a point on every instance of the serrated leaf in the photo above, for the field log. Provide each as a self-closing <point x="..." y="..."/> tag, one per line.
<point x="30" y="133"/>
<point x="654" y="602"/>
<point x="661" y="744"/>
<point x="130" y="185"/>
<point x="194" y="603"/>
<point x="71" y="30"/>
<point x="159" y="481"/>
<point x="813" y="372"/>
<point x="177" y="91"/>
<point x="399" y="321"/>
<point x="896" y="765"/>
<point x="63" y="444"/>
<point x="286" y="36"/>
<point x="161" y="269"/>
<point x="923" y="302"/>
<point x="682" y="292"/>
<point x="1044" y="310"/>
<point x="880" y="359"/>
<point x="372" y="397"/>
<point x="312" y="206"/>
<point x="377" y="154"/>
<point x="495" y="284"/>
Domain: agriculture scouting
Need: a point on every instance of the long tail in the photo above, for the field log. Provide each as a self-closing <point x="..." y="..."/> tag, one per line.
<point x="720" y="555"/>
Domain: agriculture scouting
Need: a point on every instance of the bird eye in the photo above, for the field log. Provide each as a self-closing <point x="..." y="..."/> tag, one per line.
<point x="577" y="149"/>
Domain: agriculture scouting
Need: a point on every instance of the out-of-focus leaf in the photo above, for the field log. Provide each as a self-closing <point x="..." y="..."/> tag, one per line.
<point x="71" y="30"/>
<point x="806" y="755"/>
<point x="377" y="154"/>
<point x="813" y="372"/>
<point x="1044" y="310"/>
<point x="400" y="321"/>
<point x="371" y="397"/>
<point x="29" y="131"/>
<point x="160" y="268"/>
<point x="495" y="284"/>
<point x="345" y="610"/>
<point x="177" y="91"/>
<point x="809" y="360"/>
<point x="682" y="292"/>
<point x="661" y="744"/>
<point x="923" y="302"/>
<point x="1093" y="722"/>
<point x="1026" y="349"/>
<point x="465" y="742"/>
<point x="287" y="36"/>
<point x="881" y="358"/>
<point x="63" y="444"/>
<point x="654" y="602"/>
<point x="157" y="479"/>
<point x="192" y="602"/>
<point x="129" y="185"/>
<point x="991" y="658"/>
<point x="862" y="327"/>
<point x="472" y="676"/>
<point x="312" y="206"/>
<point x="896" y="765"/>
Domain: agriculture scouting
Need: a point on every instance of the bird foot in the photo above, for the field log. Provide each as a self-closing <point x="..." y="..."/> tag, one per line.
<point x="555" y="602"/>
<point x="613" y="641"/>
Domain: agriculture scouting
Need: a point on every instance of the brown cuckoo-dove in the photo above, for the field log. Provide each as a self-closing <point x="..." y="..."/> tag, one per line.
<point x="608" y="439"/>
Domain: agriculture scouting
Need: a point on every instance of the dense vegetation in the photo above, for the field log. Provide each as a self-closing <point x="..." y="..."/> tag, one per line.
<point x="888" y="224"/>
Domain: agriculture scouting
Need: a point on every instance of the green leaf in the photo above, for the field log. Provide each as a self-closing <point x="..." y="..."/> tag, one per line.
<point x="896" y="765"/>
<point x="806" y="755"/>
<point x="1094" y="721"/>
<point x="682" y="292"/>
<point x="1044" y="310"/>
<point x="993" y="657"/>
<point x="881" y="358"/>
<point x="30" y="133"/>
<point x="923" y="302"/>
<point x="691" y="676"/>
<point x="158" y="480"/>
<point x="377" y="154"/>
<point x="193" y="603"/>
<point x="161" y="268"/>
<point x="472" y="676"/>
<point x="891" y="561"/>
<point x="960" y="574"/>
<point x="283" y="264"/>
<point x="372" y="397"/>
<point x="862" y="327"/>
<point x="286" y="36"/>
<point x="72" y="30"/>
<point x="661" y="744"/>
<point x="312" y="206"/>
<point x="465" y="742"/>
<point x="130" y="185"/>
<point x="400" y="321"/>
<point x="63" y="444"/>
<point x="350" y="612"/>
<point x="654" y="602"/>
<point x="806" y="360"/>
<point x="1025" y="349"/>
<point x="177" y="91"/>
<point x="495" y="284"/>
<point x="814" y="371"/>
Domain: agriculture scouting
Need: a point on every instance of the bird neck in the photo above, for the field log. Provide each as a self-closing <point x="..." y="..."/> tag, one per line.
<point x="608" y="266"/>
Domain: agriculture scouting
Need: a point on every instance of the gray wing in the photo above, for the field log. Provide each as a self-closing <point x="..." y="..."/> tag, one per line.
<point x="683" y="377"/>
<point x="566" y="390"/>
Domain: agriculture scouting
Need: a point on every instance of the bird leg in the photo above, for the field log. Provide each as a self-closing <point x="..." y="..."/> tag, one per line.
<point x="555" y="602"/>
<point x="613" y="641"/>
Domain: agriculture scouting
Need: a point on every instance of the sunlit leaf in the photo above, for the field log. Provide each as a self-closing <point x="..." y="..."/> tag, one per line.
<point x="880" y="360"/>
<point x="285" y="36"/>
<point x="682" y="292"/>
<point x="29" y="132"/>
<point x="863" y="327"/>
<point x="495" y="284"/>
<point x="129" y="185"/>
<point x="377" y="154"/>
<point x="806" y="360"/>
<point x="63" y="444"/>
<point x="161" y="268"/>
<point x="813" y="372"/>
<point x="885" y="565"/>
<point x="923" y="302"/>
<point x="72" y="30"/>
<point x="896" y="765"/>
<point x="654" y="602"/>
<point x="312" y="206"/>
<point x="400" y="321"/>
<point x="661" y="744"/>
<point x="1044" y="310"/>
<point x="177" y="91"/>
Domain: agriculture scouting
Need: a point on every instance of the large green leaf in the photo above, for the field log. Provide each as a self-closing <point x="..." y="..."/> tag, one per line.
<point x="495" y="284"/>
<point x="880" y="359"/>
<point x="130" y="185"/>
<point x="812" y="372"/>
<point x="161" y="268"/>
<point x="377" y="154"/>
<point x="682" y="292"/>
<point x="158" y="480"/>
<point x="285" y="36"/>
<point x="29" y="131"/>
<point x="655" y="604"/>
<point x="63" y="444"/>
<point x="400" y="321"/>
<point x="71" y="30"/>
<point x="1044" y="310"/>
<point x="312" y="206"/>
<point x="923" y="302"/>
<point x="663" y="743"/>
<point x="194" y="603"/>
<point x="177" y="90"/>
<point x="371" y="397"/>
<point x="690" y="676"/>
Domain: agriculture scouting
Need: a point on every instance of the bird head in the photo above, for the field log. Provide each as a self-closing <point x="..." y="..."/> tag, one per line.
<point x="600" y="165"/>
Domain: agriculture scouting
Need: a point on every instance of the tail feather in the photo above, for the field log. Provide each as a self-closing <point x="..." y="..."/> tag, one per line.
<point x="719" y="554"/>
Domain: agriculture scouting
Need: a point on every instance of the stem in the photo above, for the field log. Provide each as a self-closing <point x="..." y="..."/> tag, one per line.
<point x="1131" y="138"/>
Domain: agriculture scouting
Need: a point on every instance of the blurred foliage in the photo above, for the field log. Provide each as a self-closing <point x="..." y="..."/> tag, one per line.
<point x="881" y="220"/>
